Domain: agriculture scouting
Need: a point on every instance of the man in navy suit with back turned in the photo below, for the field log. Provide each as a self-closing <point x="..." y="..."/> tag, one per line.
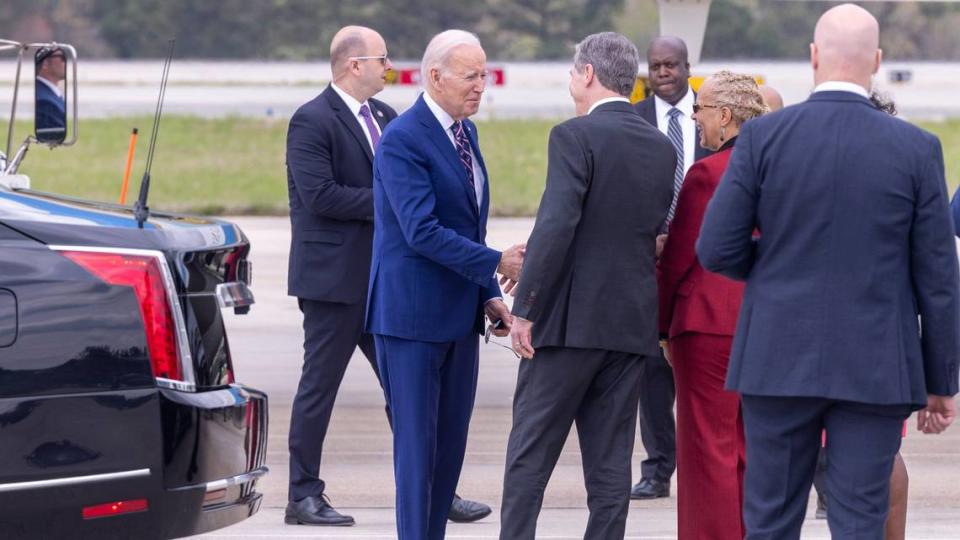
<point x="851" y="314"/>
<point x="669" y="109"/>
<point x="330" y="147"/>
<point x="432" y="278"/>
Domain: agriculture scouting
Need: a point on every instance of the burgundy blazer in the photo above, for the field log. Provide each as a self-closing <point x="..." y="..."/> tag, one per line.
<point x="691" y="298"/>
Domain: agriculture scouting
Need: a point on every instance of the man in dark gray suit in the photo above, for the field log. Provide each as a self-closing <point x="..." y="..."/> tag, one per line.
<point x="669" y="109"/>
<point x="586" y="302"/>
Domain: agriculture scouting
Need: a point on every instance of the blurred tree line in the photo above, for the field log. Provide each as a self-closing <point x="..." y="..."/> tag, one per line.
<point x="509" y="29"/>
<point x="776" y="29"/>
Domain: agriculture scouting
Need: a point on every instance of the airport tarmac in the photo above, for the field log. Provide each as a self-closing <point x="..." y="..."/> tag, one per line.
<point x="266" y="346"/>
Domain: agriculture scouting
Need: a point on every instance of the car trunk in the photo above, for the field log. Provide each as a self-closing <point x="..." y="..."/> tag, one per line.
<point x="207" y="259"/>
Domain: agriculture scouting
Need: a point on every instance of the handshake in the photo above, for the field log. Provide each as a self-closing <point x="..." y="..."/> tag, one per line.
<point x="511" y="263"/>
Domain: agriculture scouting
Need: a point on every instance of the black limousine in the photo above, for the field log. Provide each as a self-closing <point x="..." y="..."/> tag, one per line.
<point x="120" y="412"/>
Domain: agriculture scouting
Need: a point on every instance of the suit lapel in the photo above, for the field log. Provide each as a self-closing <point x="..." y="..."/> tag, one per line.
<point x="346" y="118"/>
<point x="648" y="110"/>
<point x="439" y="138"/>
<point x="378" y="116"/>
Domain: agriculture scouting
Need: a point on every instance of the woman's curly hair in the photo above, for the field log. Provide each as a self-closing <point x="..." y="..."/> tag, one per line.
<point x="740" y="94"/>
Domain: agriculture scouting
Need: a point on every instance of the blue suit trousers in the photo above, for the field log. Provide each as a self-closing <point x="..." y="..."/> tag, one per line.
<point x="783" y="436"/>
<point x="430" y="388"/>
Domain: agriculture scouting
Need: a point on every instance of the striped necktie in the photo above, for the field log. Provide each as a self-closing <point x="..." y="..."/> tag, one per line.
<point x="676" y="137"/>
<point x="463" y="149"/>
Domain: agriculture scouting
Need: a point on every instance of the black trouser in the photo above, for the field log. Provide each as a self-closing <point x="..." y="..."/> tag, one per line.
<point x="332" y="332"/>
<point x="658" y="432"/>
<point x="596" y="389"/>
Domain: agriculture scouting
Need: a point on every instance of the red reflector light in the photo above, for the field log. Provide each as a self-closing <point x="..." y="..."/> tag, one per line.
<point x="143" y="274"/>
<point x="115" y="508"/>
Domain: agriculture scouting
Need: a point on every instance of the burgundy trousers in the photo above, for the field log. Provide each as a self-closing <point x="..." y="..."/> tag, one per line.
<point x="711" y="454"/>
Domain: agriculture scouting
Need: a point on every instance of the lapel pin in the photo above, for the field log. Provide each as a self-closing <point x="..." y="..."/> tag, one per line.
<point x="380" y="114"/>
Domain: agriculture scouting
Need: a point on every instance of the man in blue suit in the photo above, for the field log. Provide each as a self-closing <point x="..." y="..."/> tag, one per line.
<point x="432" y="278"/>
<point x="51" y="108"/>
<point x="855" y="254"/>
<point x="331" y="142"/>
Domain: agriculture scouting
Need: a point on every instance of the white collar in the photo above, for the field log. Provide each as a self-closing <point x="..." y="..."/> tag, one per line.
<point x="351" y="101"/>
<point x="685" y="105"/>
<point x="600" y="102"/>
<point x="446" y="121"/>
<point x="842" y="86"/>
<point x="51" y="86"/>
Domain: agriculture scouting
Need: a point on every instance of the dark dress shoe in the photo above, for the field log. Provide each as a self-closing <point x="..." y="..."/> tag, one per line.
<point x="315" y="511"/>
<point x="648" y="488"/>
<point x="464" y="511"/>
<point x="821" y="512"/>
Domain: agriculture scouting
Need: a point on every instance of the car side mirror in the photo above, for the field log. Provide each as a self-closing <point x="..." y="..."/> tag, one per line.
<point x="50" y="113"/>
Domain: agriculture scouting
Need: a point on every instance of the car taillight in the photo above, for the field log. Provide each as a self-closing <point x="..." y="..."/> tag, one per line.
<point x="115" y="509"/>
<point x="144" y="275"/>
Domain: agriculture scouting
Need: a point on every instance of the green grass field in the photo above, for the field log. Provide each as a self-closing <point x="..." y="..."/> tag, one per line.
<point x="236" y="165"/>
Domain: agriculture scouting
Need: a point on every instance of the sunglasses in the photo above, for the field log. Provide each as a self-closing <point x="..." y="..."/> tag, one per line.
<point x="382" y="58"/>
<point x="489" y="332"/>
<point x="697" y="107"/>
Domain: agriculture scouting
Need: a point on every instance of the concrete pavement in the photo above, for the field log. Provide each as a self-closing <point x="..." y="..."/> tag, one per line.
<point x="266" y="348"/>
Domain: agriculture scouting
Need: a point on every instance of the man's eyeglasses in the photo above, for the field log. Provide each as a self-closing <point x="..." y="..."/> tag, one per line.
<point x="486" y="339"/>
<point x="382" y="58"/>
<point x="698" y="107"/>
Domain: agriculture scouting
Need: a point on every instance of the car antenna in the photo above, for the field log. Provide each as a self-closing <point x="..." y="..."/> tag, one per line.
<point x="140" y="210"/>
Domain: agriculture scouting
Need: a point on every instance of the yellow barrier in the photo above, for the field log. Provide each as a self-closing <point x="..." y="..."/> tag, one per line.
<point x="641" y="90"/>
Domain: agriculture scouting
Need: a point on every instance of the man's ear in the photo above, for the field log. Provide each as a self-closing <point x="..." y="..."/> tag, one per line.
<point x="876" y="64"/>
<point x="435" y="77"/>
<point x="588" y="74"/>
<point x="814" y="56"/>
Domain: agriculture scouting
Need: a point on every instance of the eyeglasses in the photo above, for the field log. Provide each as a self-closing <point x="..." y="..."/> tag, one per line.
<point x="698" y="107"/>
<point x="486" y="339"/>
<point x="382" y="58"/>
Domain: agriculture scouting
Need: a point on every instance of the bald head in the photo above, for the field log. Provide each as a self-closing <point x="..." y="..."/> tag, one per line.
<point x="846" y="46"/>
<point x="771" y="97"/>
<point x="347" y="42"/>
<point x="359" y="62"/>
<point x="671" y="44"/>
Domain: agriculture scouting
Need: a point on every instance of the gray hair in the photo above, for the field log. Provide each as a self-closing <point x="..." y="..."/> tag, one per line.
<point x="614" y="58"/>
<point x="440" y="48"/>
<point x="740" y="93"/>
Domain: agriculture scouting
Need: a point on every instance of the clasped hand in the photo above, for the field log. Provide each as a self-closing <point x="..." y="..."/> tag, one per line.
<point x="511" y="263"/>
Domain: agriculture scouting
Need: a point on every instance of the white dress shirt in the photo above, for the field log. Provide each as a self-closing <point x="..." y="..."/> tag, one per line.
<point x="354" y="107"/>
<point x="687" y="125"/>
<point x="447" y="122"/>
<point x="51" y="86"/>
<point x="600" y="102"/>
<point x="842" y="86"/>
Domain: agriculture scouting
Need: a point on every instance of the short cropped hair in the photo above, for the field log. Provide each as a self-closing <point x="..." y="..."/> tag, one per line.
<point x="440" y="48"/>
<point x="739" y="93"/>
<point x="614" y="58"/>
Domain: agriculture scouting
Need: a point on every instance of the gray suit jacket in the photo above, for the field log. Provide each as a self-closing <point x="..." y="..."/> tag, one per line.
<point x="589" y="279"/>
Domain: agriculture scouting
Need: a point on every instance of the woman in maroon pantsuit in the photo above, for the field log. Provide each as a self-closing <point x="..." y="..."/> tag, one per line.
<point x="698" y="314"/>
